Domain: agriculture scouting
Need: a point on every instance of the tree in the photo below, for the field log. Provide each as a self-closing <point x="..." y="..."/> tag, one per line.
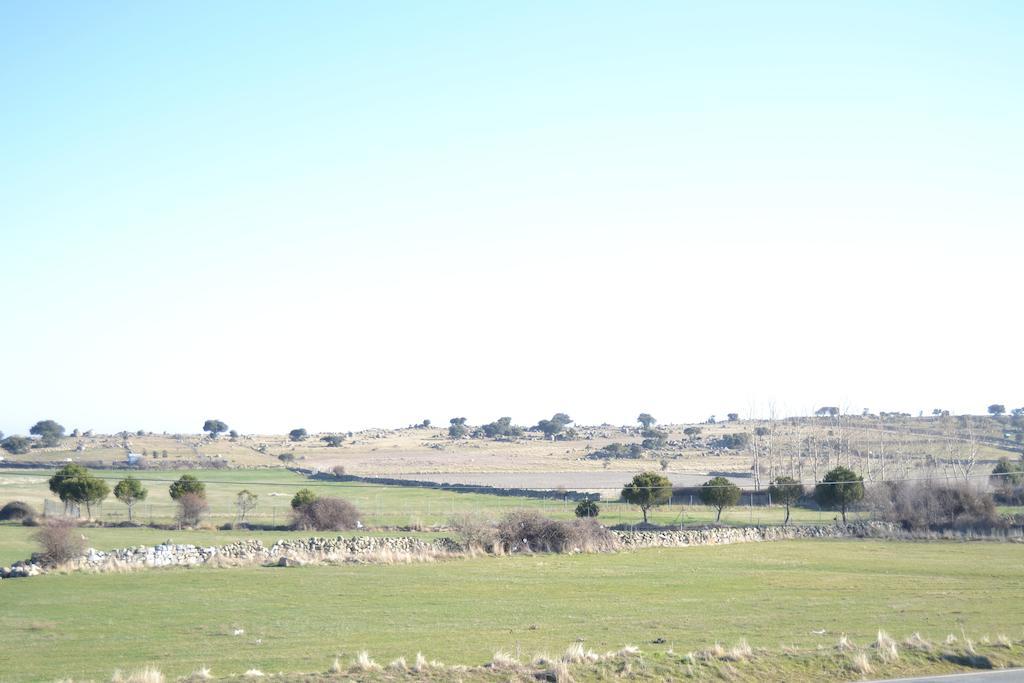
<point x="501" y="427"/>
<point x="215" y="427"/>
<point x="75" y="484"/>
<point x="647" y="490"/>
<point x="787" y="491"/>
<point x="733" y="417"/>
<point x="587" y="508"/>
<point x="245" y="501"/>
<point x="995" y="410"/>
<point x="1006" y="474"/>
<point x="187" y="483"/>
<point x="555" y="425"/>
<point x="49" y="432"/>
<point x="827" y="411"/>
<point x="130" y="491"/>
<point x="16" y="445"/>
<point x="299" y="434"/>
<point x="646" y="420"/>
<point x="840" y="488"/>
<point x="457" y="430"/>
<point x="719" y="493"/>
<point x="692" y="431"/>
<point x="333" y="440"/>
<point x="233" y="434"/>
<point x="302" y="498"/>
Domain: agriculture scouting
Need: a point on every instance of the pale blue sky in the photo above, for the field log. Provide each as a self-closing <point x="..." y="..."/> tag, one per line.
<point x="339" y="215"/>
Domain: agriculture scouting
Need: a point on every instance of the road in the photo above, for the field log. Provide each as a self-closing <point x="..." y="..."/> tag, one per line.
<point x="997" y="676"/>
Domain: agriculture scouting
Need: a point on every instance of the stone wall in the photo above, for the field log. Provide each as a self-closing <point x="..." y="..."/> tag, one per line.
<point x="723" y="535"/>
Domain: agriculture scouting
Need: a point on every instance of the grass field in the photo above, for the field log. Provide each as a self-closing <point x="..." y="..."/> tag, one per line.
<point x="380" y="505"/>
<point x="461" y="611"/>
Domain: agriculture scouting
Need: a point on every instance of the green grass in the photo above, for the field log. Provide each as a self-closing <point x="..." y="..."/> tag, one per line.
<point x="380" y="505"/>
<point x="461" y="611"/>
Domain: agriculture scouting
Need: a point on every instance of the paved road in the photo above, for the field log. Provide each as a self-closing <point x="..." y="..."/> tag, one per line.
<point x="999" y="676"/>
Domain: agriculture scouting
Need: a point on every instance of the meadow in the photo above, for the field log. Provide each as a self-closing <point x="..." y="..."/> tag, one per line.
<point x="802" y="593"/>
<point x="380" y="505"/>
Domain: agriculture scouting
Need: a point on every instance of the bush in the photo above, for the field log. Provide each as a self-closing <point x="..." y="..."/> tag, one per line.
<point x="60" y="540"/>
<point x="474" y="530"/>
<point x="934" y="505"/>
<point x="15" y="511"/>
<point x="338" y="471"/>
<point x="16" y="445"/>
<point x="191" y="508"/>
<point x="302" y="498"/>
<point x="587" y="508"/>
<point x="327" y="514"/>
<point x="530" y="531"/>
<point x="734" y="442"/>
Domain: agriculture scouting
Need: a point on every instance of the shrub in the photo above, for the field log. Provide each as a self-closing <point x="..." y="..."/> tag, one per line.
<point x="1006" y="475"/>
<point x="333" y="440"/>
<point x="191" y="508"/>
<point x="587" y="508"/>
<point x="327" y="514"/>
<point x="618" y="450"/>
<point x="732" y="441"/>
<point x="530" y="531"/>
<point x="299" y="434"/>
<point x="719" y="493"/>
<point x="302" y="498"/>
<point x="934" y="505"/>
<point x="286" y="457"/>
<point x="474" y="530"/>
<point x="457" y="431"/>
<point x="16" y="510"/>
<point x="338" y="471"/>
<point x="60" y="541"/>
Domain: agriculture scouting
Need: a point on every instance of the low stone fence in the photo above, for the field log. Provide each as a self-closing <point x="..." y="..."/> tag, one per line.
<point x="388" y="549"/>
<point x="249" y="552"/>
<point x="723" y="535"/>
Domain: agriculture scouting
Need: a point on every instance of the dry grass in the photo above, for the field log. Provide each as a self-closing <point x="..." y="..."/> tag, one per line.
<point x="844" y="644"/>
<point x="859" y="662"/>
<point x="739" y="652"/>
<point x="917" y="642"/>
<point x="504" y="660"/>
<point x="1003" y="641"/>
<point x="148" y="674"/>
<point x="398" y="665"/>
<point x="363" y="662"/>
<point x="253" y="673"/>
<point x="888" y="651"/>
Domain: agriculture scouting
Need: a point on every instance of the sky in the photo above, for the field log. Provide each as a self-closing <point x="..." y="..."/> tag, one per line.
<point x="344" y="215"/>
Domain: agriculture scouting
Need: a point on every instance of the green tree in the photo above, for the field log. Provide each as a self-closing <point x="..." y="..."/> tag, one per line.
<point x="587" y="508"/>
<point x="130" y="491"/>
<point x="647" y="490"/>
<point x="333" y="440"/>
<point x="215" y="427"/>
<point x="995" y="410"/>
<point x="302" y="498"/>
<point x="187" y="483"/>
<point x="75" y="484"/>
<point x="840" y="488"/>
<point x="299" y="434"/>
<point x="49" y="431"/>
<point x="787" y="491"/>
<point x="646" y="419"/>
<point x="16" y="445"/>
<point x="457" y="431"/>
<point x="719" y="493"/>
<point x="733" y="417"/>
